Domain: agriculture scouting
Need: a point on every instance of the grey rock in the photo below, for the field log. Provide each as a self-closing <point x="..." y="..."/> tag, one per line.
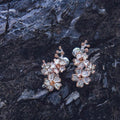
<point x="73" y="96"/>
<point x="64" y="91"/>
<point x="2" y="103"/>
<point x="105" y="81"/>
<point x="54" y="98"/>
<point x="30" y="94"/>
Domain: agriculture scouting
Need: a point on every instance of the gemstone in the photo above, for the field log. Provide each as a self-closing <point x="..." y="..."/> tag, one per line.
<point x="75" y="51"/>
<point x="62" y="62"/>
<point x="43" y="71"/>
<point x="56" y="71"/>
<point x="81" y="65"/>
<point x="58" y="85"/>
<point x="85" y="73"/>
<point x="78" y="56"/>
<point x="57" y="79"/>
<point x="93" y="67"/>
<point x="86" y="80"/>
<point x="76" y="61"/>
<point x="90" y="66"/>
<point x="74" y="77"/>
<point x="80" y="83"/>
<point x="86" y="62"/>
<point x="47" y="65"/>
<point x="66" y="60"/>
<point x="53" y="65"/>
<point x="78" y="71"/>
<point x="56" y="61"/>
<point x="46" y="82"/>
<point x="93" y="71"/>
<point x="50" y="88"/>
<point x="51" y="76"/>
<point x="49" y="70"/>
<point x="85" y="56"/>
<point x="62" y="68"/>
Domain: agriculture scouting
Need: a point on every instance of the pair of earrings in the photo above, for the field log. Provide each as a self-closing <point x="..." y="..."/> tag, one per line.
<point x="83" y="69"/>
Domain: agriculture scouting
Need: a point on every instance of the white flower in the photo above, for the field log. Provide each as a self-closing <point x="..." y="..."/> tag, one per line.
<point x="76" y="62"/>
<point x="60" y="64"/>
<point x="52" y="70"/>
<point x="91" y="67"/>
<point x="84" y="67"/>
<point x="82" y="56"/>
<point x="81" y="65"/>
<point x="46" y="68"/>
<point x="53" y="81"/>
<point x="76" y="51"/>
<point x="81" y="77"/>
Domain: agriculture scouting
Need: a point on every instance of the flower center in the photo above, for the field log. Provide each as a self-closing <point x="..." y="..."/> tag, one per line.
<point x="58" y="65"/>
<point x="81" y="59"/>
<point x="52" y="83"/>
<point x="80" y="77"/>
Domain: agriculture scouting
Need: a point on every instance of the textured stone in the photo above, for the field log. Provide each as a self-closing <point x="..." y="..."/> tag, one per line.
<point x="54" y="98"/>
<point x="32" y="30"/>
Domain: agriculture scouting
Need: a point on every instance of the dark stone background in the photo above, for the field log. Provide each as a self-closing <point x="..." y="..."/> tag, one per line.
<point x="32" y="30"/>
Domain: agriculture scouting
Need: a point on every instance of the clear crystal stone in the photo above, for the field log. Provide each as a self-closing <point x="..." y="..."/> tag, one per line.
<point x="53" y="65"/>
<point x="43" y="86"/>
<point x="50" y="88"/>
<point x="76" y="61"/>
<point x="46" y="82"/>
<point x="57" y="79"/>
<point x="74" y="77"/>
<point x="78" y="56"/>
<point x="85" y="56"/>
<point x="56" y="61"/>
<point x="86" y="62"/>
<point x="43" y="71"/>
<point x="51" y="76"/>
<point x="47" y="65"/>
<point x="81" y="65"/>
<point x="78" y="71"/>
<point x="62" y="62"/>
<point x="93" y="67"/>
<point x="57" y="85"/>
<point x="85" y="73"/>
<point x="56" y="71"/>
<point x="86" y="80"/>
<point x="66" y="60"/>
<point x="90" y="65"/>
<point x="49" y="70"/>
<point x="75" y="51"/>
<point x="80" y="83"/>
<point x="62" y="68"/>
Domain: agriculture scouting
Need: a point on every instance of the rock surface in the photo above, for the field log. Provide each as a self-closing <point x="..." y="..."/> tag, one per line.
<point x="32" y="30"/>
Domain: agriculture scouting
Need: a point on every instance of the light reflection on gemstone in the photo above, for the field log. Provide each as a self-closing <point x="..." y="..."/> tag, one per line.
<point x="75" y="51"/>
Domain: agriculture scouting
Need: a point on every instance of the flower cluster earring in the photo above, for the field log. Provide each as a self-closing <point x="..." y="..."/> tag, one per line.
<point x="52" y="70"/>
<point x="83" y="67"/>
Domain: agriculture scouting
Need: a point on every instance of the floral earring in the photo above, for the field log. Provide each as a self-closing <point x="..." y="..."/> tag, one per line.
<point x="52" y="70"/>
<point x="84" y="68"/>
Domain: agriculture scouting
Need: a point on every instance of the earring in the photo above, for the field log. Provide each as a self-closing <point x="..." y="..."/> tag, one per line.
<point x="52" y="70"/>
<point x="84" y="68"/>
